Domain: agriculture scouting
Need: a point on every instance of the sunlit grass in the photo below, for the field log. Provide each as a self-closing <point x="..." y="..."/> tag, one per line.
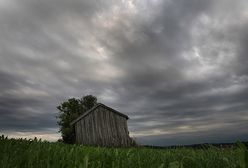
<point x="37" y="154"/>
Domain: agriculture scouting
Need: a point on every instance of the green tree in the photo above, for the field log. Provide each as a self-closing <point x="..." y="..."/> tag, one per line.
<point x="69" y="111"/>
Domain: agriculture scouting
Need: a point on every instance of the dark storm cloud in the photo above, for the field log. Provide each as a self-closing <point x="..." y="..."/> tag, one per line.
<point x="177" y="68"/>
<point x="21" y="109"/>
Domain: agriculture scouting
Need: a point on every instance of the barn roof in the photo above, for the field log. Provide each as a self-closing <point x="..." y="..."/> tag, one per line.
<point x="95" y="107"/>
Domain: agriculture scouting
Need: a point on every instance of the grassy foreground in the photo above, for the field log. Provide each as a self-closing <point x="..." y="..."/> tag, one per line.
<point x="37" y="154"/>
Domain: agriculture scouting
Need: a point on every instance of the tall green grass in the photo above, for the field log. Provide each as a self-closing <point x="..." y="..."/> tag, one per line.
<point x="37" y="154"/>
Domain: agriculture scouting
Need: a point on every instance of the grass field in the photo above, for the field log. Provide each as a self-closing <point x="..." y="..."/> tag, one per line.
<point x="37" y="154"/>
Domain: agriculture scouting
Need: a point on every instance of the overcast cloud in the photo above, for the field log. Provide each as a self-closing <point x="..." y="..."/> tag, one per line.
<point x="177" y="68"/>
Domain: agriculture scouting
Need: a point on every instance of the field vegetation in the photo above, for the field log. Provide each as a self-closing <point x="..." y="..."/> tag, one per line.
<point x="23" y="153"/>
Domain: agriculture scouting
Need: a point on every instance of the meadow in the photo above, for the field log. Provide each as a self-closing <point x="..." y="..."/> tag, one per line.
<point x="23" y="153"/>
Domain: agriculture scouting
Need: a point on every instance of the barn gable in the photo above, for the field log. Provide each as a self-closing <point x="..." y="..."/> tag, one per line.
<point x="95" y="107"/>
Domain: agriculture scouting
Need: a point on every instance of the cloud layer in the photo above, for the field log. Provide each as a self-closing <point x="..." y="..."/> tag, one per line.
<point x="177" y="68"/>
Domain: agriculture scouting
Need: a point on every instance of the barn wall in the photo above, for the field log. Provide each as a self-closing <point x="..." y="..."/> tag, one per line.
<point x="102" y="127"/>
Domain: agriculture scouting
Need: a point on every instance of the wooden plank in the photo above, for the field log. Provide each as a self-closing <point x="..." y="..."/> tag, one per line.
<point x="77" y="132"/>
<point x="83" y="132"/>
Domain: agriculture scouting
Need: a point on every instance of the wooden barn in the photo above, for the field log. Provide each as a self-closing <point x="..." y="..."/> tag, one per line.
<point x="102" y="126"/>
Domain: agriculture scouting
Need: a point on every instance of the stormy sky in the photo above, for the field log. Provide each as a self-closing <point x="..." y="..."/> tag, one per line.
<point x="177" y="68"/>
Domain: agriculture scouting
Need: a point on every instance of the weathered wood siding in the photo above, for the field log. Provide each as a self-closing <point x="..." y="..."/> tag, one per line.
<point x="102" y="127"/>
